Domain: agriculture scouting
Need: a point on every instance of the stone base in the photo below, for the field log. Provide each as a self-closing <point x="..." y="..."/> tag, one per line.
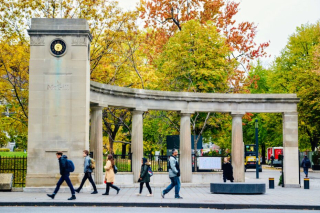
<point x="292" y="186"/>
<point x="50" y="180"/>
<point x="238" y="188"/>
<point x="6" y="182"/>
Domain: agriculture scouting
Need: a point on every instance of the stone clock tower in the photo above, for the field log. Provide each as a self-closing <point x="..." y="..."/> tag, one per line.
<point x="59" y="98"/>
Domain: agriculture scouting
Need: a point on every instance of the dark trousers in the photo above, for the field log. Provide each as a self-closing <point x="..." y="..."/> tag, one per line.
<point x="68" y="181"/>
<point x="175" y="182"/>
<point x="112" y="186"/>
<point x="87" y="175"/>
<point x="305" y="170"/>
<point x="148" y="186"/>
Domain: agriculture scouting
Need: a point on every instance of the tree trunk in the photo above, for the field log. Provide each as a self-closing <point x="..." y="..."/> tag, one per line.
<point x="263" y="154"/>
<point x="110" y="145"/>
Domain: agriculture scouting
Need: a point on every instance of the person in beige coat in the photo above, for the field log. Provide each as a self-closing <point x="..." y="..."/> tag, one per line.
<point x="110" y="176"/>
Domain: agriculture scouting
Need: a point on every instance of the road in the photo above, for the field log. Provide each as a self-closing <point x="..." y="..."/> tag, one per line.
<point x="135" y="210"/>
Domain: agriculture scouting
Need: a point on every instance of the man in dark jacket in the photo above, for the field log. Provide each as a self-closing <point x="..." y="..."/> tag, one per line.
<point x="174" y="175"/>
<point x="64" y="176"/>
<point x="306" y="164"/>
<point x="271" y="159"/>
<point x="87" y="173"/>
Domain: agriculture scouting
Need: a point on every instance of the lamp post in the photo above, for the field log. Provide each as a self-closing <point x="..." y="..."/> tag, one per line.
<point x="257" y="150"/>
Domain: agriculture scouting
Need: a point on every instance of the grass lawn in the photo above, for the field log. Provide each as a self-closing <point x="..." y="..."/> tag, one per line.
<point x="13" y="154"/>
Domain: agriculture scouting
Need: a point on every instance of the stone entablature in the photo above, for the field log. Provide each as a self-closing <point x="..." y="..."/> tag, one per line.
<point x="108" y="95"/>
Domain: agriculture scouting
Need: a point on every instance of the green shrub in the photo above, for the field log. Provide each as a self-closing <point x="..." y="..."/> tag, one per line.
<point x="18" y="150"/>
<point x="4" y="150"/>
<point x="315" y="158"/>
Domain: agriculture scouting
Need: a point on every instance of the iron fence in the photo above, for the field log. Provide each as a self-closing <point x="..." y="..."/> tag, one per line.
<point x="122" y="162"/>
<point x="17" y="166"/>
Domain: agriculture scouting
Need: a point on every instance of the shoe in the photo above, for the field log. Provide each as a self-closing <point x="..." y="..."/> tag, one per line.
<point x="162" y="195"/>
<point x="73" y="197"/>
<point x="77" y="190"/>
<point x="179" y="197"/>
<point x="138" y="194"/>
<point x="105" y="194"/>
<point x="51" y="195"/>
<point x="118" y="191"/>
<point x="94" y="192"/>
<point x="149" y="195"/>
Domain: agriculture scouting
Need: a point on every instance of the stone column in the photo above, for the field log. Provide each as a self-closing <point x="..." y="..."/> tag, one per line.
<point x="137" y="143"/>
<point x="237" y="155"/>
<point x="96" y="142"/>
<point x="185" y="161"/>
<point x="290" y="150"/>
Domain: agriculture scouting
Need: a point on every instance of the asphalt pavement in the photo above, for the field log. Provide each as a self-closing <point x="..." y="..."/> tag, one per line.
<point x="135" y="210"/>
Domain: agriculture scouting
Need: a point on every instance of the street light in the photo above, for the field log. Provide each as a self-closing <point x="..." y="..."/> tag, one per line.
<point x="257" y="150"/>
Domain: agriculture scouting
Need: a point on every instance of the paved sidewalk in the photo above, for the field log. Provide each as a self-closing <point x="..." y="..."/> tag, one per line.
<point x="195" y="197"/>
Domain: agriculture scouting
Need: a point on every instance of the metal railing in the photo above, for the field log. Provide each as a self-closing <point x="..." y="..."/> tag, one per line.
<point x="123" y="162"/>
<point x="17" y="166"/>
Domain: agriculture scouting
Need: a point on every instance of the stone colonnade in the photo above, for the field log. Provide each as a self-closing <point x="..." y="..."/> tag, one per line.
<point x="140" y="101"/>
<point x="290" y="138"/>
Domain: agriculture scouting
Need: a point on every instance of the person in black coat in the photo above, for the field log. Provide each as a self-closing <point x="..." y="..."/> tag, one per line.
<point x="227" y="170"/>
<point x="145" y="177"/>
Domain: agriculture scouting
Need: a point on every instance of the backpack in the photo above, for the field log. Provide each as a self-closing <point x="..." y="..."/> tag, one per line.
<point x="307" y="163"/>
<point x="115" y="169"/>
<point x="92" y="163"/>
<point x="150" y="172"/>
<point x="69" y="166"/>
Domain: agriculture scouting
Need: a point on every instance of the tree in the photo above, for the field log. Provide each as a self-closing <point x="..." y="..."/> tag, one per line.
<point x="295" y="71"/>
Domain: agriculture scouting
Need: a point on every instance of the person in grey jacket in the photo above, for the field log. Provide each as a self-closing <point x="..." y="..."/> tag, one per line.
<point x="174" y="175"/>
<point x="87" y="173"/>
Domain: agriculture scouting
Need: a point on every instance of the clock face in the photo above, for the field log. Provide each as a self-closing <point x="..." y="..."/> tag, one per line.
<point x="58" y="47"/>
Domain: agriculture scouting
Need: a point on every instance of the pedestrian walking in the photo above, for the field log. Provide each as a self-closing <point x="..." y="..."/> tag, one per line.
<point x="306" y="164"/>
<point x="145" y="176"/>
<point x="88" y="168"/>
<point x="110" y="175"/>
<point x="271" y="159"/>
<point x="174" y="175"/>
<point x="227" y="170"/>
<point x="66" y="166"/>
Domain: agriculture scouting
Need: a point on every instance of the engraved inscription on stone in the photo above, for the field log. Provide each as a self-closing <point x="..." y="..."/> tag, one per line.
<point x="58" y="86"/>
<point x="79" y="41"/>
<point x="37" y="41"/>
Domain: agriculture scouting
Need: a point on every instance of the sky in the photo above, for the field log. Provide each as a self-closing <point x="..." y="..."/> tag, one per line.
<point x="276" y="19"/>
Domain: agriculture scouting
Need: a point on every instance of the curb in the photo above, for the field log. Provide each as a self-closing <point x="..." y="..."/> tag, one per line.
<point x="168" y="205"/>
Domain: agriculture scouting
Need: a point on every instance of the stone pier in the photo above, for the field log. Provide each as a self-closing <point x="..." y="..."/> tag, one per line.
<point x="237" y="151"/>
<point x="96" y="142"/>
<point x="185" y="159"/>
<point x="137" y="143"/>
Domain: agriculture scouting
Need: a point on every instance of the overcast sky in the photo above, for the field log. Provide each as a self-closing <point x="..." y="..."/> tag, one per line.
<point x="276" y="19"/>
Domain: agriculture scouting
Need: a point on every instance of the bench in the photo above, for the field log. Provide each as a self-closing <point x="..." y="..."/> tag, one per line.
<point x="238" y="188"/>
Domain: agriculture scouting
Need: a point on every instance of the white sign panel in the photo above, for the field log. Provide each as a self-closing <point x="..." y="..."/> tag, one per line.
<point x="209" y="162"/>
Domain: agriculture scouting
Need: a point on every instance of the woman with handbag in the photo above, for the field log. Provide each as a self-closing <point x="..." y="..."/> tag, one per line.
<point x="109" y="177"/>
<point x="145" y="177"/>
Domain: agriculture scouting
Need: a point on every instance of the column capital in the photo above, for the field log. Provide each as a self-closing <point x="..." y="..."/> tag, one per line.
<point x="237" y="114"/>
<point x="96" y="108"/>
<point x="138" y="112"/>
<point x="290" y="113"/>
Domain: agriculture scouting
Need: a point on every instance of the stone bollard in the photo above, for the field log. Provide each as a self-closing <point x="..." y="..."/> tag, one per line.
<point x="271" y="183"/>
<point x="306" y="183"/>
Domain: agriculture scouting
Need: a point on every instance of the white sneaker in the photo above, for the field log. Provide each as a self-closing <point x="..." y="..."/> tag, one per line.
<point x="149" y="195"/>
<point x="138" y="194"/>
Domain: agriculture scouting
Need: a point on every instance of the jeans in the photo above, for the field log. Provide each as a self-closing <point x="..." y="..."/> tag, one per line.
<point x="305" y="170"/>
<point x="87" y="175"/>
<point x="175" y="182"/>
<point x="148" y="186"/>
<point x="112" y="186"/>
<point x="68" y="181"/>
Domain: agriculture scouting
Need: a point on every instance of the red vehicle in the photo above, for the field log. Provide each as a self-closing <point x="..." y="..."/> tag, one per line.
<point x="275" y="151"/>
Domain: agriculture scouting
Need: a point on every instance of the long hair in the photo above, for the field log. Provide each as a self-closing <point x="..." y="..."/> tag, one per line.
<point x="110" y="158"/>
